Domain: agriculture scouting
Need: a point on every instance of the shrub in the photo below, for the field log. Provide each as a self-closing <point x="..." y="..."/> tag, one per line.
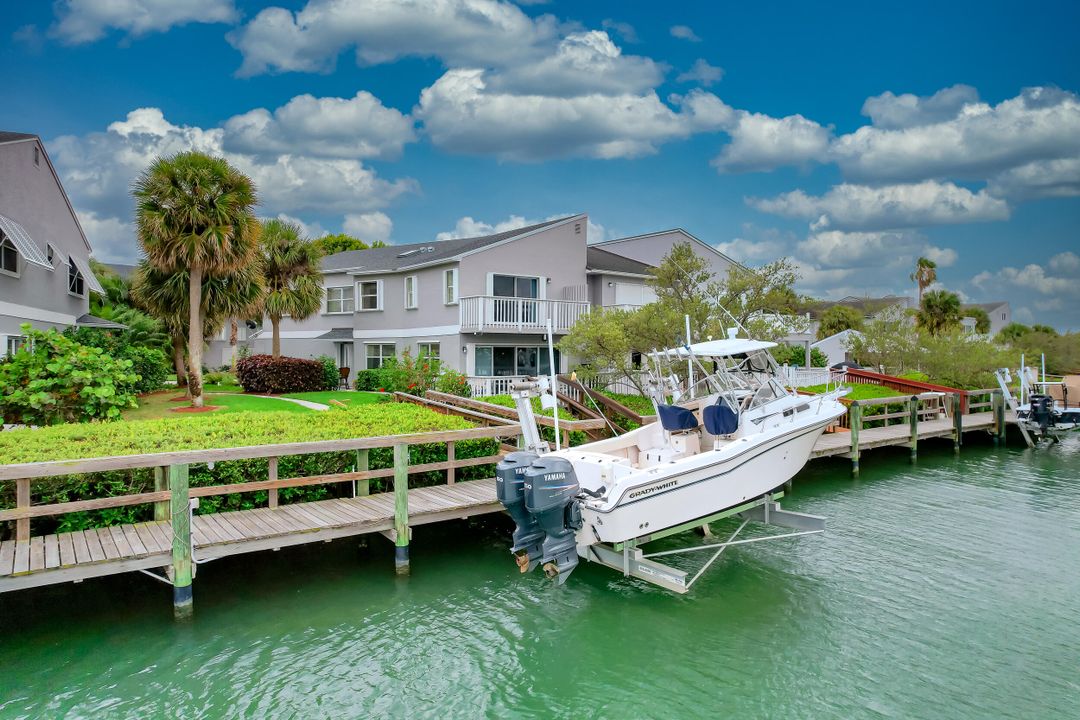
<point x="53" y="379"/>
<point x="268" y="374"/>
<point x="367" y="380"/>
<point x="453" y="383"/>
<point x="150" y="364"/>
<point x="331" y="375"/>
<point x="795" y="355"/>
<point x="220" y="377"/>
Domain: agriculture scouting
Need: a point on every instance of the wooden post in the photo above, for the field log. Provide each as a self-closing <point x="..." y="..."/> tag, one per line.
<point x="22" y="500"/>
<point x="363" y="487"/>
<point x="401" y="509"/>
<point x="161" y="482"/>
<point x="958" y="421"/>
<point x="180" y="510"/>
<point x="855" y="420"/>
<point x="914" y="421"/>
<point x="566" y="438"/>
<point x="451" y="456"/>
<point x="999" y="417"/>
<point x="271" y="464"/>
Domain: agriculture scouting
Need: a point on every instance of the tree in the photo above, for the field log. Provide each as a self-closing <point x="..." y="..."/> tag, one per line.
<point x="194" y="213"/>
<point x="330" y="244"/>
<point x="889" y="342"/>
<point x="982" y="319"/>
<point x="925" y="275"/>
<point x="747" y="294"/>
<point x="1012" y="332"/>
<point x="839" y="318"/>
<point x="939" y="311"/>
<point x="290" y="267"/>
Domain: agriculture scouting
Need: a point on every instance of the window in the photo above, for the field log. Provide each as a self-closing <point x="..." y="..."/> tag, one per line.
<point x="14" y="342"/>
<point x="1002" y="316"/>
<point x="494" y="361"/>
<point x="450" y="292"/>
<point x="9" y="256"/>
<point x="76" y="284"/>
<point x="37" y="155"/>
<point x="513" y="286"/>
<point x="377" y="353"/>
<point x="370" y="292"/>
<point x="411" y="299"/>
<point x="634" y="294"/>
<point x="51" y="254"/>
<point x="428" y="350"/>
<point x="339" y="300"/>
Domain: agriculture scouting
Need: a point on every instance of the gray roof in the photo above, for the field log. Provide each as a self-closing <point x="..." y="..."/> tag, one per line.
<point x="345" y="333"/>
<point x="7" y="136"/>
<point x="402" y="257"/>
<point x="94" y="321"/>
<point x="604" y="260"/>
<point x="985" y="306"/>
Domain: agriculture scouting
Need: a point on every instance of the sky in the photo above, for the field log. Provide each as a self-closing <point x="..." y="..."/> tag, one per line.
<point x="852" y="139"/>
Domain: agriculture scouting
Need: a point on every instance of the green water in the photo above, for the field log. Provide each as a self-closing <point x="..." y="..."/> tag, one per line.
<point x="948" y="589"/>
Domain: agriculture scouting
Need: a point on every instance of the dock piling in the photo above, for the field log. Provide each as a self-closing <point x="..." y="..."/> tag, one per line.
<point x="161" y="482"/>
<point x="855" y="417"/>
<point x="958" y="421"/>
<point x="362" y="487"/>
<point x="913" y="419"/>
<point x="272" y="475"/>
<point x="998" y="404"/>
<point x="180" y="511"/>
<point x="401" y="509"/>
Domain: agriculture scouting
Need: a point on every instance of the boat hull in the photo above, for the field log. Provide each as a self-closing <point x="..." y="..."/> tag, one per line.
<point x="694" y="489"/>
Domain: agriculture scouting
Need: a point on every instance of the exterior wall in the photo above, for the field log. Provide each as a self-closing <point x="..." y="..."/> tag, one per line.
<point x="651" y="249"/>
<point x="603" y="291"/>
<point x="835" y="347"/>
<point x="431" y="312"/>
<point x="31" y="195"/>
<point x="999" y="318"/>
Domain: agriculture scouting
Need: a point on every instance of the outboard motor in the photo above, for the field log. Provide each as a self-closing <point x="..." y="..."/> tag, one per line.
<point x="1041" y="411"/>
<point x="551" y="490"/>
<point x="509" y="484"/>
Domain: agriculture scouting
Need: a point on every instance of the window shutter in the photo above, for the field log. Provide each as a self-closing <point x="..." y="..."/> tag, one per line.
<point x="379" y="294"/>
<point x="541" y="292"/>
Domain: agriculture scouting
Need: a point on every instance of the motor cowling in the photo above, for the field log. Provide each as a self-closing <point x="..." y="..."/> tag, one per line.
<point x="551" y="489"/>
<point x="509" y="486"/>
<point x="1041" y="410"/>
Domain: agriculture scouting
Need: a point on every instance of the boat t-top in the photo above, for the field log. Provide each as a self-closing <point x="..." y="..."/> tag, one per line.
<point x="1044" y="408"/>
<point x="729" y="434"/>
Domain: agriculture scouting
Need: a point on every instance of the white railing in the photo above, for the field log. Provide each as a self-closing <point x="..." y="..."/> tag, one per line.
<point x="804" y="377"/>
<point x="487" y="313"/>
<point x="482" y="386"/>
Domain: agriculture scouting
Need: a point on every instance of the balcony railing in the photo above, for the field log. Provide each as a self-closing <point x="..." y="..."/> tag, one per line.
<point x="487" y="313"/>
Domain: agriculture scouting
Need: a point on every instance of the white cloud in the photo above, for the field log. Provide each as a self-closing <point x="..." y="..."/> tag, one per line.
<point x="1066" y="263"/>
<point x="457" y="32"/>
<point x="461" y="113"/>
<point x="886" y="251"/>
<point x="1042" y="178"/>
<point x="357" y="127"/>
<point x="684" y="32"/>
<point x="760" y="142"/>
<point x="470" y="227"/>
<point x="624" y="30"/>
<point x="982" y="140"/>
<point x="83" y="21"/>
<point x="98" y="169"/>
<point x="862" y="207"/>
<point x="112" y="239"/>
<point x="702" y="72"/>
<point x="892" y="112"/>
<point x="369" y="227"/>
<point x="307" y="229"/>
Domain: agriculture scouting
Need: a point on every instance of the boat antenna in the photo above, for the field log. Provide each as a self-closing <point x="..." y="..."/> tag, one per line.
<point x="715" y="299"/>
<point x="554" y="382"/>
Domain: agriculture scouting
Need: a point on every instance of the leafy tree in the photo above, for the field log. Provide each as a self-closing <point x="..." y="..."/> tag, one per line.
<point x="889" y="342"/>
<point x="290" y="266"/>
<point x="795" y="355"/>
<point x="1012" y="332"/>
<point x="330" y="244"/>
<point x="839" y="318"/>
<point x="747" y="292"/>
<point x="982" y="319"/>
<point x="939" y="311"/>
<point x="1045" y="329"/>
<point x="684" y="284"/>
<point x="924" y="276"/>
<point x="194" y="213"/>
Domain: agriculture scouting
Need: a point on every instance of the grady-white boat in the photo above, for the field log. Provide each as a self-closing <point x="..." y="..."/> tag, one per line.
<point x="1043" y="409"/>
<point x="723" y="445"/>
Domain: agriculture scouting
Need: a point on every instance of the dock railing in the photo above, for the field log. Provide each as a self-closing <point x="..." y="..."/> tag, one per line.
<point x="172" y="494"/>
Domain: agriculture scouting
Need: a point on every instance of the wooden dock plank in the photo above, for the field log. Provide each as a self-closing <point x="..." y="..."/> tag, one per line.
<point x="52" y="553"/>
<point x="133" y="540"/>
<point x="7" y="557"/>
<point x="37" y="553"/>
<point x="149" y="541"/>
<point x="97" y="554"/>
<point x="264" y="520"/>
<point x="22" y="557"/>
<point x="301" y="518"/>
<point x="67" y="550"/>
<point x="224" y="528"/>
<point x="82" y="550"/>
<point x="163" y="532"/>
<point x="108" y="544"/>
<point x="122" y="545"/>
<point x="205" y="532"/>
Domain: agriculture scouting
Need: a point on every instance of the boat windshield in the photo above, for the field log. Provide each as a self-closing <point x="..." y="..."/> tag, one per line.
<point x="768" y="392"/>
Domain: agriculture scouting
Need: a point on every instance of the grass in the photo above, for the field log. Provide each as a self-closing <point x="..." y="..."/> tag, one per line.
<point x="349" y="398"/>
<point x="638" y="403"/>
<point x="160" y="405"/>
<point x="859" y="391"/>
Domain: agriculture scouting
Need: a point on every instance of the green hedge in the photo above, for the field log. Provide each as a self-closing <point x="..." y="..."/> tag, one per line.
<point x="100" y="439"/>
<point x="577" y="437"/>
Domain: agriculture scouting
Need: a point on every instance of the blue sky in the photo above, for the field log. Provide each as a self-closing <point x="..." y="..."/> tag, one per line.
<point x="852" y="140"/>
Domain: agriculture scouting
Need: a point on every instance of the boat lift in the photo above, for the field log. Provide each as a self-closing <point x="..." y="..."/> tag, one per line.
<point x="629" y="559"/>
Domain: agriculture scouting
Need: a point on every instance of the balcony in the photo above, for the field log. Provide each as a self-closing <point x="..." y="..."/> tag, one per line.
<point x="490" y="314"/>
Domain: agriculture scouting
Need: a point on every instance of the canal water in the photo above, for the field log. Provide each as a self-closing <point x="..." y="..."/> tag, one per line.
<point x="945" y="589"/>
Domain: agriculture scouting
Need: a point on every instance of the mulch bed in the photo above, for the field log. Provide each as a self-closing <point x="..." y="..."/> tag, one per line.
<point x="204" y="408"/>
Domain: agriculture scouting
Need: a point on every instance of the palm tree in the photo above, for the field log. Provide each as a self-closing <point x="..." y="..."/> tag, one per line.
<point x="940" y="310"/>
<point x="165" y="296"/>
<point x="925" y="275"/>
<point x="293" y="281"/>
<point x="194" y="213"/>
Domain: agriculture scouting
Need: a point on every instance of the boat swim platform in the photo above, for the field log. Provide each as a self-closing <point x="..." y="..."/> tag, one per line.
<point x="148" y="546"/>
<point x="96" y="552"/>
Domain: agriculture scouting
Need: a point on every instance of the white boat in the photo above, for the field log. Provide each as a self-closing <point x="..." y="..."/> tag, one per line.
<point x="725" y="442"/>
<point x="1043" y="410"/>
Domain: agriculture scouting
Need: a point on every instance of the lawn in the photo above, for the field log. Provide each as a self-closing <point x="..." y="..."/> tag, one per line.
<point x="638" y="403"/>
<point x="347" y="397"/>
<point x="161" y="405"/>
<point x="859" y="391"/>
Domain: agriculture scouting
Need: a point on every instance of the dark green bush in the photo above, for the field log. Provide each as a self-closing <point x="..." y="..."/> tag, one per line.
<point x="331" y="376"/>
<point x="268" y="374"/>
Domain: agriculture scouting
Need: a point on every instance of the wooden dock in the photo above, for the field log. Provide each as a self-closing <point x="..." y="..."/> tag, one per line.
<point x="839" y="443"/>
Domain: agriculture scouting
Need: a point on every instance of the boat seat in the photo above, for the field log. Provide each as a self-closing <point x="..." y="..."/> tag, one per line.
<point x="676" y="419"/>
<point x="720" y="419"/>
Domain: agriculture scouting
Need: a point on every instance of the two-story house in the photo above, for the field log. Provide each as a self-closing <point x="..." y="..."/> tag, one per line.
<point x="45" y="276"/>
<point x="1000" y="314"/>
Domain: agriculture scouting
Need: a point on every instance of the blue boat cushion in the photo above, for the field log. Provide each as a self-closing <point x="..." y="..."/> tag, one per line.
<point x="720" y="419"/>
<point x="675" y="418"/>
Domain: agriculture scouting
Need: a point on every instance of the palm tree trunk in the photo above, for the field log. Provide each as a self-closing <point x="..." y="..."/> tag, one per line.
<point x="178" y="361"/>
<point x="234" y="333"/>
<point x="275" y="323"/>
<point x="195" y="336"/>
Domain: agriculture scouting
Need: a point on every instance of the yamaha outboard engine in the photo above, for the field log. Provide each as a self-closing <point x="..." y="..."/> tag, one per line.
<point x="551" y="489"/>
<point x="509" y="483"/>
<point x="1041" y="411"/>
